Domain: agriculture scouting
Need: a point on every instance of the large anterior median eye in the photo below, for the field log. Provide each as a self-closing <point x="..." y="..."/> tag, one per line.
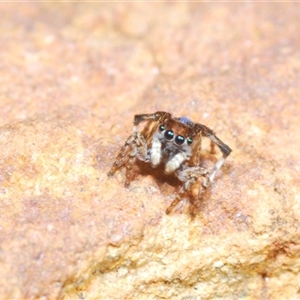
<point x="179" y="140"/>
<point x="169" y="134"/>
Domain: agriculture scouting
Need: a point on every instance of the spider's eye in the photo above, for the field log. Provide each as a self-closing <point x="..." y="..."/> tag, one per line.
<point x="162" y="128"/>
<point x="189" y="140"/>
<point x="169" y="134"/>
<point x="179" y="140"/>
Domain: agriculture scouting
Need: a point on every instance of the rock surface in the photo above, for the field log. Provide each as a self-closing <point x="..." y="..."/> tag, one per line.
<point x="72" y="78"/>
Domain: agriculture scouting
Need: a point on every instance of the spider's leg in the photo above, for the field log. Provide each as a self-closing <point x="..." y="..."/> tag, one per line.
<point x="188" y="176"/>
<point x="122" y="156"/>
<point x="135" y="148"/>
<point x="148" y="117"/>
<point x="173" y="204"/>
<point x="205" y="131"/>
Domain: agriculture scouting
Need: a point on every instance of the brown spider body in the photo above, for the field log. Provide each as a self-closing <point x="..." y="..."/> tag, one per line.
<point x="174" y="143"/>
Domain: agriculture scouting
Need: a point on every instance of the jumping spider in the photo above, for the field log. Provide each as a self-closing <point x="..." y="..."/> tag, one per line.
<point x="174" y="143"/>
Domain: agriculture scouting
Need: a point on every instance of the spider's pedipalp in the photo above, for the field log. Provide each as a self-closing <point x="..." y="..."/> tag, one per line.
<point x="155" y="152"/>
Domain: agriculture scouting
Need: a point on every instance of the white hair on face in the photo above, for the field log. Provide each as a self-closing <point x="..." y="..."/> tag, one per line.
<point x="175" y="162"/>
<point x="155" y="156"/>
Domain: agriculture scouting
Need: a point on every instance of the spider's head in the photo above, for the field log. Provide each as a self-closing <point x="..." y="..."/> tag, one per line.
<point x="178" y="132"/>
<point x="173" y="143"/>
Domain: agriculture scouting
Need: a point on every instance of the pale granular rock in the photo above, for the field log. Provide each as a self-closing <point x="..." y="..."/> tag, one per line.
<point x="72" y="78"/>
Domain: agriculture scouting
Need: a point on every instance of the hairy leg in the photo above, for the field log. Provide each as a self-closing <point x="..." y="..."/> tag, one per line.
<point x="154" y="117"/>
<point x="188" y="176"/>
<point x="205" y="131"/>
<point x="135" y="148"/>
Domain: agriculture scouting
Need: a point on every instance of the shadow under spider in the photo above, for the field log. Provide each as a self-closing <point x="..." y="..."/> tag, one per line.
<point x="170" y="185"/>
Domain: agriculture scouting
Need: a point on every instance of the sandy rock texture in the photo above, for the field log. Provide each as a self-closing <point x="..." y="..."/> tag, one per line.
<point x="72" y="76"/>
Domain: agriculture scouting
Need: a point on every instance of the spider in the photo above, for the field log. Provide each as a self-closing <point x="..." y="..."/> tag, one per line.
<point x="173" y="143"/>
